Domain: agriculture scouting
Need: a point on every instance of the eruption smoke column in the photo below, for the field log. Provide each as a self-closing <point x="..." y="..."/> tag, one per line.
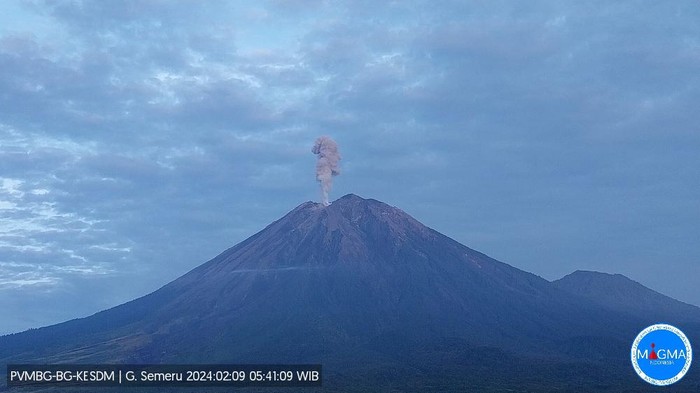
<point x="327" y="165"/>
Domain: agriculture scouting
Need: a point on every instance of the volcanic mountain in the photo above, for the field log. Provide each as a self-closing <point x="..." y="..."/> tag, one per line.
<point x="382" y="301"/>
<point x="622" y="295"/>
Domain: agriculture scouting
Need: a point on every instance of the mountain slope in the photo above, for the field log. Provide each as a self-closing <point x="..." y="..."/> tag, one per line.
<point x="348" y="273"/>
<point x="619" y="293"/>
<point x="362" y="288"/>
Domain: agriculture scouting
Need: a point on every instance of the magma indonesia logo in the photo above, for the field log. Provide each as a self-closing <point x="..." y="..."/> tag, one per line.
<point x="661" y="354"/>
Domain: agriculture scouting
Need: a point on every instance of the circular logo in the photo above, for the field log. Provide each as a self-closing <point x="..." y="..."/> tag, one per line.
<point x="661" y="354"/>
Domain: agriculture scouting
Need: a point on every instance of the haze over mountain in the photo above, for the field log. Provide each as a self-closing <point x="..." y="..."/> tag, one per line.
<point x="375" y="296"/>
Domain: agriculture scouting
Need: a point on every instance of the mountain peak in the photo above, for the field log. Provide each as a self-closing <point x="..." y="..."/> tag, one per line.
<point x="351" y="200"/>
<point x="622" y="294"/>
<point x="344" y="201"/>
<point x="350" y="213"/>
<point x="351" y="197"/>
<point x="596" y="275"/>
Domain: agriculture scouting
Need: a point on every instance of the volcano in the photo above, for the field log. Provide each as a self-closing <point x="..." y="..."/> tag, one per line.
<point x="382" y="301"/>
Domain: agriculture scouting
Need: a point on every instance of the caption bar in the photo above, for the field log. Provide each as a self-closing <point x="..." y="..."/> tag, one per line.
<point x="145" y="375"/>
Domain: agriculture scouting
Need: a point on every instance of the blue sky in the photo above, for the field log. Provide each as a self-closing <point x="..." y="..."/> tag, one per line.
<point x="138" y="139"/>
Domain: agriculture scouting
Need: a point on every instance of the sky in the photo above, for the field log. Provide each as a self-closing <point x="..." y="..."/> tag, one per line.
<point x="140" y="138"/>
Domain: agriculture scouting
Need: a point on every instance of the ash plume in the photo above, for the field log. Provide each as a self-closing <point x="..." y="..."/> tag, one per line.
<point x="327" y="165"/>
